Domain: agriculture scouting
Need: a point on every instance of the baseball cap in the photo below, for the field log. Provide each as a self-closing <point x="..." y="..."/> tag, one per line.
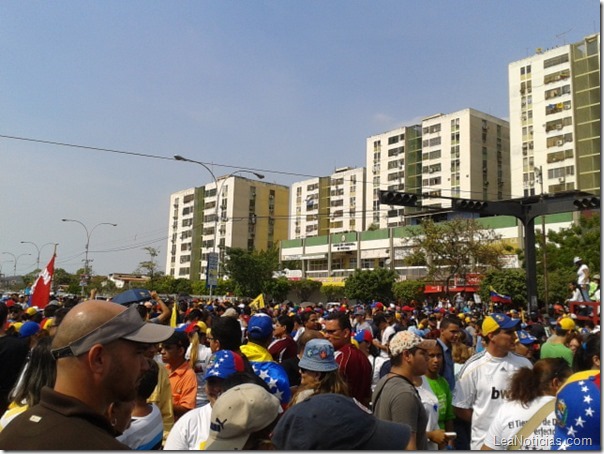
<point x="260" y="327"/>
<point x="223" y="364"/>
<point x="577" y="260"/>
<point x="230" y="312"/>
<point x="128" y="324"/>
<point x="336" y="422"/>
<point x="31" y="311"/>
<point x="377" y="305"/>
<point x="318" y="356"/>
<point x="239" y="412"/>
<point x="363" y="336"/>
<point x="359" y="311"/>
<point x="596" y="276"/>
<point x="566" y="323"/>
<point x="525" y="338"/>
<point x="406" y="340"/>
<point x="28" y="329"/>
<point x="497" y="320"/>
<point x="578" y="413"/>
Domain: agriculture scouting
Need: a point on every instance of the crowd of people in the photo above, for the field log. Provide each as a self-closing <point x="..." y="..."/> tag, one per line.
<point x="223" y="375"/>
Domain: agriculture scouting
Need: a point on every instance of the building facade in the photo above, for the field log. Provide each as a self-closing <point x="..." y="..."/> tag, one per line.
<point x="233" y="212"/>
<point x="331" y="204"/>
<point x="554" y="99"/>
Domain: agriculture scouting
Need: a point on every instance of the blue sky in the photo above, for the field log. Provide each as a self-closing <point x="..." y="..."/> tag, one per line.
<point x="280" y="86"/>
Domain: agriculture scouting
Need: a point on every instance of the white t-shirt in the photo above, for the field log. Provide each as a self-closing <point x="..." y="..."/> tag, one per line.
<point x="144" y="432"/>
<point x="430" y="402"/>
<point x="376" y="365"/>
<point x="582" y="274"/>
<point x="386" y="335"/>
<point x="482" y="385"/>
<point x="191" y="431"/>
<point x="512" y="416"/>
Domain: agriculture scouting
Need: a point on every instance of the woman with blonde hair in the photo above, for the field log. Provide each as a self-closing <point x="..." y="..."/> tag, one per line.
<point x="319" y="371"/>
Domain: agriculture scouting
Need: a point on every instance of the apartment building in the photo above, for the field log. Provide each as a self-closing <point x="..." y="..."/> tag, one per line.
<point x="554" y="99"/>
<point x="464" y="154"/>
<point x="233" y="212"/>
<point x="331" y="204"/>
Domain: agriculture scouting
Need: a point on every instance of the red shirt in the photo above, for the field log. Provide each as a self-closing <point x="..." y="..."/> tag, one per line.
<point x="356" y="370"/>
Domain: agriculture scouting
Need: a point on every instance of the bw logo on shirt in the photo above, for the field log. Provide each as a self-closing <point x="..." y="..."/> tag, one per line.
<point x="499" y="393"/>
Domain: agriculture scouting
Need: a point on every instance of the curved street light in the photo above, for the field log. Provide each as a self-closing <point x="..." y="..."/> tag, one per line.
<point x="218" y="194"/>
<point x="39" y="249"/>
<point x="15" y="259"/>
<point x="88" y="235"/>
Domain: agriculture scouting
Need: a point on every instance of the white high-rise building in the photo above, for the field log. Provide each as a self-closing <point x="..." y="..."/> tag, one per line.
<point x="332" y="204"/>
<point x="554" y="98"/>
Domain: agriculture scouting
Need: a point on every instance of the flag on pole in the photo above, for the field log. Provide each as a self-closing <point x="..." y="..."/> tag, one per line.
<point x="258" y="302"/>
<point x="40" y="291"/>
<point x="498" y="297"/>
<point x="174" y="316"/>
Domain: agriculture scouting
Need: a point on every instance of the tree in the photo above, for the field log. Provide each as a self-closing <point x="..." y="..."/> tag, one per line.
<point x="251" y="272"/>
<point x="456" y="247"/>
<point x="367" y="285"/>
<point x="304" y="288"/>
<point x="332" y="292"/>
<point x="408" y="290"/>
<point x="149" y="267"/>
<point x="510" y="282"/>
<point x="278" y="288"/>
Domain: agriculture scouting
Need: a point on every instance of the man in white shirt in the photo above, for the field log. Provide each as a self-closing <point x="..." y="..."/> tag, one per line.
<point x="582" y="277"/>
<point x="483" y="382"/>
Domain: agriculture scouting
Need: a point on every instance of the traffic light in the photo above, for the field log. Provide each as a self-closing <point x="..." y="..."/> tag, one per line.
<point x="587" y="203"/>
<point x="398" y="198"/>
<point x="470" y="205"/>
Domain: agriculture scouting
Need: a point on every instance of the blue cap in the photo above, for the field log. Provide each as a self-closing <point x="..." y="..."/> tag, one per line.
<point x="260" y="327"/>
<point x="223" y="364"/>
<point x="525" y="338"/>
<point x="578" y="413"/>
<point x="29" y="328"/>
<point x="318" y="356"/>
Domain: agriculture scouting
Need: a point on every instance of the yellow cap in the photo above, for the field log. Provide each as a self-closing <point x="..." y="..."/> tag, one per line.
<point x="31" y="311"/>
<point x="202" y="327"/>
<point x="567" y="323"/>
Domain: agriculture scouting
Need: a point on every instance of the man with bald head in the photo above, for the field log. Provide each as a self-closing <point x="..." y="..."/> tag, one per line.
<point x="100" y="352"/>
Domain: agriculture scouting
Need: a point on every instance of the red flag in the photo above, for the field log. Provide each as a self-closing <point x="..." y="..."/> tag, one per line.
<point x="41" y="288"/>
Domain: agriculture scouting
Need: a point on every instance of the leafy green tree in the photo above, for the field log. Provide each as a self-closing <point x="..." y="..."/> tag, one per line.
<point x="456" y="247"/>
<point x="182" y="285"/>
<point x="367" y="285"/>
<point x="165" y="284"/>
<point x="278" y="288"/>
<point x="333" y="292"/>
<point x="149" y="267"/>
<point x="251" y="272"/>
<point x="304" y="288"/>
<point x="409" y="290"/>
<point x="510" y="282"/>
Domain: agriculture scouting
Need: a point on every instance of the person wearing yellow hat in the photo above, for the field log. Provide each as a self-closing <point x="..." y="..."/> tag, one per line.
<point x="555" y="346"/>
<point x="483" y="382"/>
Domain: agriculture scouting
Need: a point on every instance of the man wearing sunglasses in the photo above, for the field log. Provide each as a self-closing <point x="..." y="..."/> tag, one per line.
<point x="483" y="382"/>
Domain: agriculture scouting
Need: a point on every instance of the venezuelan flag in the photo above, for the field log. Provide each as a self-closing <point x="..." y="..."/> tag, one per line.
<point x="498" y="297"/>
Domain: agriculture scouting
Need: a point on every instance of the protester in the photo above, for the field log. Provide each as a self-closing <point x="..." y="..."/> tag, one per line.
<point x="433" y="381"/>
<point x="579" y="413"/>
<point x="525" y="345"/>
<point x="529" y="408"/>
<point x="145" y="431"/>
<point x="183" y="381"/>
<point x="283" y="345"/>
<point x="162" y="394"/>
<point x="13" y="354"/>
<point x="588" y="356"/>
<point x="555" y="347"/>
<point x="100" y="352"/>
<point x="354" y="365"/>
<point x="582" y="277"/>
<point x="39" y="371"/>
<point x="198" y="354"/>
<point x="290" y="365"/>
<point x="336" y="422"/>
<point x="395" y="397"/>
<point x="242" y="419"/>
<point x="319" y="371"/>
<point x="364" y="340"/>
<point x="484" y="380"/>
<point x="450" y="328"/>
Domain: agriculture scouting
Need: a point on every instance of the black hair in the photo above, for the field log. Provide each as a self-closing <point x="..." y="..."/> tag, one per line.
<point x="39" y="371"/>
<point x="379" y="318"/>
<point x="342" y="318"/>
<point x="148" y="381"/>
<point x="449" y="320"/>
<point x="3" y="313"/>
<point x="178" y="338"/>
<point x="590" y="347"/>
<point x="287" y="322"/>
<point x="227" y="331"/>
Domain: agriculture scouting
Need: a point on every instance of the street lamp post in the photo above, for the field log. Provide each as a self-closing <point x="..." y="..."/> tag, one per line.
<point x="39" y="249"/>
<point x="15" y="260"/>
<point x="216" y="209"/>
<point x="88" y="235"/>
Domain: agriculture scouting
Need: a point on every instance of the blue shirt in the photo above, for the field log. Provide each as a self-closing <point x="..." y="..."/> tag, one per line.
<point x="448" y="367"/>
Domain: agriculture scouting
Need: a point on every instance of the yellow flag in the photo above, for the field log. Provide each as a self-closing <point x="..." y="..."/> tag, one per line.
<point x="174" y="316"/>
<point x="258" y="302"/>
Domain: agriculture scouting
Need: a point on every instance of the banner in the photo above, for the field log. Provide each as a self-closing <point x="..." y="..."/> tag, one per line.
<point x="40" y="291"/>
<point x="499" y="298"/>
<point x="258" y="302"/>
